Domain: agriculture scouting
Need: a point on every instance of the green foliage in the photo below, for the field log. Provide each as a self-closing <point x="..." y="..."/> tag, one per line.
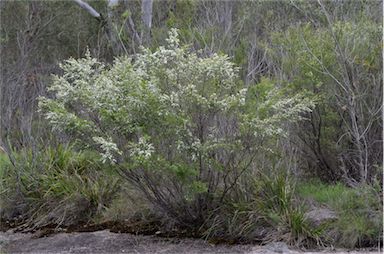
<point x="234" y="222"/>
<point x="324" y="193"/>
<point x="280" y="209"/>
<point x="186" y="127"/>
<point x="128" y="205"/>
<point x="168" y="118"/>
<point x="4" y="164"/>
<point x="328" y="62"/>
<point x="359" y="212"/>
<point x="310" y="57"/>
<point x="269" y="104"/>
<point x="274" y="213"/>
<point x="56" y="186"/>
<point x="4" y="160"/>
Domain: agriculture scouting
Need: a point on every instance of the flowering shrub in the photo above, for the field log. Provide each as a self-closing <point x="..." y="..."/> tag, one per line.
<point x="181" y="127"/>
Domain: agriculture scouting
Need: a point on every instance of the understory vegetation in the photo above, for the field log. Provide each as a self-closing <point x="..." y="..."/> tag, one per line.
<point x="67" y="189"/>
<point x="359" y="211"/>
<point x="57" y="186"/>
<point x="229" y="128"/>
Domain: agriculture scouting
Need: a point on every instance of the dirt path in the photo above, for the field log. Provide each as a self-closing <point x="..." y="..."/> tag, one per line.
<point x="107" y="242"/>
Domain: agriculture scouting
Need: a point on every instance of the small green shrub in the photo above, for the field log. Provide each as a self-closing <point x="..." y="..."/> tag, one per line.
<point x="56" y="186"/>
<point x="359" y="212"/>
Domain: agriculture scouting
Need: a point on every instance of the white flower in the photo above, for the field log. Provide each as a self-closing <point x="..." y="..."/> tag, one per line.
<point x="143" y="149"/>
<point x="109" y="149"/>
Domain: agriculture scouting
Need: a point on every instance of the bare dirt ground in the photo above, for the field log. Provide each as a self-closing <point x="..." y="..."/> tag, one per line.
<point x="107" y="242"/>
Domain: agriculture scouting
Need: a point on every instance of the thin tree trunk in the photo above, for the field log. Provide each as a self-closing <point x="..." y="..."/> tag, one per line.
<point x="146" y="9"/>
<point x="88" y="8"/>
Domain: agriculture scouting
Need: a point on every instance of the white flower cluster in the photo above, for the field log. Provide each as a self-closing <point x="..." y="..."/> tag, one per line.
<point x="279" y="110"/>
<point x="109" y="149"/>
<point x="142" y="150"/>
<point x="188" y="105"/>
<point x="291" y="108"/>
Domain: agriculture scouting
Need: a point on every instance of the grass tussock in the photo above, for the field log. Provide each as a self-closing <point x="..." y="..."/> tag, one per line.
<point x="273" y="214"/>
<point x="284" y="212"/>
<point x="55" y="187"/>
<point x="359" y="212"/>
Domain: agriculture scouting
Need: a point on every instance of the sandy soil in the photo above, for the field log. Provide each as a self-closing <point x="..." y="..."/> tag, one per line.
<point x="107" y="242"/>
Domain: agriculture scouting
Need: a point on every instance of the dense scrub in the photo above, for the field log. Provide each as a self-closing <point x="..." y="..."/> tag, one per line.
<point x="78" y="191"/>
<point x="177" y="136"/>
<point x="331" y="50"/>
<point x="212" y="131"/>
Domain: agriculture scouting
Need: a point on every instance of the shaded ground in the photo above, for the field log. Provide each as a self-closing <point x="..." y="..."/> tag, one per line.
<point x="107" y="242"/>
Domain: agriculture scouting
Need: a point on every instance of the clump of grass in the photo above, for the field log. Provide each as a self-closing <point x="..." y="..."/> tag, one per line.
<point x="234" y="222"/>
<point x="333" y="195"/>
<point x="359" y="212"/>
<point x="56" y="186"/>
<point x="274" y="214"/>
<point x="283" y="212"/>
<point x="4" y="163"/>
<point x="129" y="204"/>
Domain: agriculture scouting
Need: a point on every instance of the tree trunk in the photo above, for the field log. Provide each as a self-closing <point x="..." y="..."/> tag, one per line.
<point x="146" y="10"/>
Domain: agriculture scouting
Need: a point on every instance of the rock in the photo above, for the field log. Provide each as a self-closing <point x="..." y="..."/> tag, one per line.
<point x="317" y="217"/>
<point x="278" y="247"/>
<point x="272" y="248"/>
<point x="107" y="242"/>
